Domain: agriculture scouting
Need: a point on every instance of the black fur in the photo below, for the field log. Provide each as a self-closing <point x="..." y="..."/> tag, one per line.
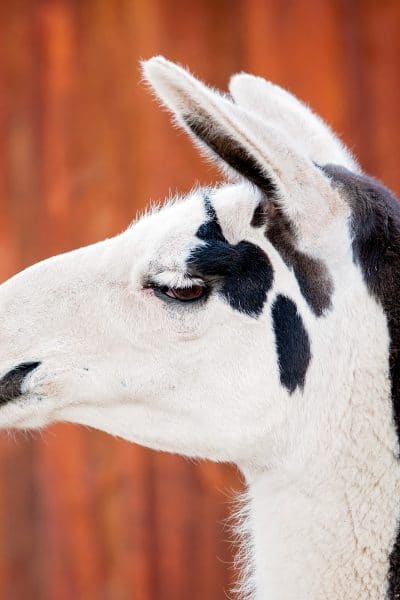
<point x="11" y="384"/>
<point x="229" y="149"/>
<point x="376" y="249"/>
<point x="242" y="272"/>
<point x="292" y="343"/>
<point x="259" y="215"/>
<point x="311" y="274"/>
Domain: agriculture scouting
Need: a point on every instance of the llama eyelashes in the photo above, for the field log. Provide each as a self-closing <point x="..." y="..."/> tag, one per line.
<point x="174" y="287"/>
<point x="183" y="295"/>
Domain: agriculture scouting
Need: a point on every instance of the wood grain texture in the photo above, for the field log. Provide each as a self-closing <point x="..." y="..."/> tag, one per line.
<point x="83" y="147"/>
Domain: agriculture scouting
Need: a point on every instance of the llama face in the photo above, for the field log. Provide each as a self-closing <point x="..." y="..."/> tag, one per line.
<point x="202" y="377"/>
<point x="209" y="327"/>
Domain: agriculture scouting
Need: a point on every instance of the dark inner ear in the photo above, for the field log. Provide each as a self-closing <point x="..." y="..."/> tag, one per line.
<point x="229" y="149"/>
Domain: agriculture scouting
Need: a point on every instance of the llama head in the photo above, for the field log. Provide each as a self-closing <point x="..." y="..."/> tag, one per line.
<point x="228" y="324"/>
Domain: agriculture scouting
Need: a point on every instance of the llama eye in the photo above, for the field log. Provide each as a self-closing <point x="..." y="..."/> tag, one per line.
<point x="185" y="294"/>
<point x="192" y="293"/>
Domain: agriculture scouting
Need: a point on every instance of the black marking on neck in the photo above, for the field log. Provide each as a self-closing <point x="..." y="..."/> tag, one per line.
<point x="242" y="272"/>
<point x="292" y="343"/>
<point x="376" y="249"/>
<point x="312" y="275"/>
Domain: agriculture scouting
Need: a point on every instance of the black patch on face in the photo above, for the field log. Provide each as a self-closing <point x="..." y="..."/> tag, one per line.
<point x="242" y="272"/>
<point x="311" y="274"/>
<point x="292" y="343"/>
<point x="376" y="249"/>
<point x="229" y="149"/>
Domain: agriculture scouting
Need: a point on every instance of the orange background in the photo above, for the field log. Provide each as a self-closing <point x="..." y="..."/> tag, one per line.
<point x="82" y="148"/>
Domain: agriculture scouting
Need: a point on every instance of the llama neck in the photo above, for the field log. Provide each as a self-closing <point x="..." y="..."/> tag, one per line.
<point x="324" y="530"/>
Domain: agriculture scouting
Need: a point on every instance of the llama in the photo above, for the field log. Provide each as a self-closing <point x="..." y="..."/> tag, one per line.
<point x="255" y="323"/>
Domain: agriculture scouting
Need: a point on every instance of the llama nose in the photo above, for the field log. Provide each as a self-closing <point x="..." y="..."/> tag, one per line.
<point x="11" y="383"/>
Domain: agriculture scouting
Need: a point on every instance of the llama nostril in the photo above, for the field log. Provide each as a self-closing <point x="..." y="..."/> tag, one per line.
<point x="11" y="383"/>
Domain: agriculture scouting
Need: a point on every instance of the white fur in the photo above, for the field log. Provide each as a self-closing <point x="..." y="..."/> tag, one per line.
<point x="203" y="380"/>
<point x="276" y="105"/>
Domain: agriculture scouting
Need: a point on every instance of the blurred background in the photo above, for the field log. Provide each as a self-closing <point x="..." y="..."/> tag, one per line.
<point x="83" y="147"/>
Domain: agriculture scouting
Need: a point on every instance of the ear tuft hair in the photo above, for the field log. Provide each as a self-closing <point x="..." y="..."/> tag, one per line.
<point x="166" y="79"/>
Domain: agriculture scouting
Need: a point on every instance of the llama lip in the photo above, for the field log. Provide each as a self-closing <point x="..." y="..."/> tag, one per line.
<point x="11" y="383"/>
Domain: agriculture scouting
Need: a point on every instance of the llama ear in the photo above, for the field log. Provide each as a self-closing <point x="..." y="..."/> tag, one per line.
<point x="273" y="103"/>
<point x="252" y="147"/>
<point x="210" y="120"/>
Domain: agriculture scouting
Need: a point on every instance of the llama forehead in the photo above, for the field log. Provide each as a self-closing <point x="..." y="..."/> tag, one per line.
<point x="235" y="205"/>
<point x="165" y="237"/>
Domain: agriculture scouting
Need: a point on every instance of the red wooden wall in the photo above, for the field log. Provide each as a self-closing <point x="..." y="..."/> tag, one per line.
<point x="82" y="148"/>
